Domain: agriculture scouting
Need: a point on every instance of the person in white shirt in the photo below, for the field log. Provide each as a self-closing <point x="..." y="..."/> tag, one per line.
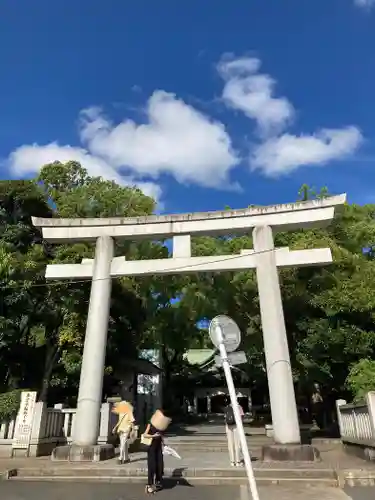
<point x="234" y="447"/>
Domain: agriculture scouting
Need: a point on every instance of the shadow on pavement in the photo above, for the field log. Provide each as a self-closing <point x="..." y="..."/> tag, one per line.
<point x="176" y="479"/>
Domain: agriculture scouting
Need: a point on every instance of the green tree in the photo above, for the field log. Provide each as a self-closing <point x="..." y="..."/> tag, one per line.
<point x="18" y="200"/>
<point x="328" y="310"/>
<point x="44" y="323"/>
<point x="361" y="378"/>
<point x="307" y="192"/>
<point x="21" y="248"/>
<point x="76" y="194"/>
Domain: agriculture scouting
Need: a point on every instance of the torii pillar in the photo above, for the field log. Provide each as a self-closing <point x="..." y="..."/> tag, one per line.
<point x="86" y="425"/>
<point x="285" y="420"/>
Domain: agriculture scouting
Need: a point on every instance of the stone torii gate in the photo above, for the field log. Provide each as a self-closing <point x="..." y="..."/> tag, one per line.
<point x="264" y="258"/>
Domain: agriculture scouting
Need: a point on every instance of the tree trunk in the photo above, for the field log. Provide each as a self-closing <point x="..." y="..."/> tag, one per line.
<point x="51" y="358"/>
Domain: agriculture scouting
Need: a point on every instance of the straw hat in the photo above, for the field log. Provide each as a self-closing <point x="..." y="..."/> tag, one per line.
<point x="122" y="407"/>
<point x="160" y="421"/>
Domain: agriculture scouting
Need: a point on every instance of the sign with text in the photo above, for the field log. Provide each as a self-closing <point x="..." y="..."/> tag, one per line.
<point x="24" y="422"/>
<point x="234" y="358"/>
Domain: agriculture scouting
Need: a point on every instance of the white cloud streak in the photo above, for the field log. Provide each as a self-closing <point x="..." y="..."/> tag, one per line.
<point x="249" y="91"/>
<point x="283" y="154"/>
<point x="29" y="159"/>
<point x="278" y="152"/>
<point x="364" y="4"/>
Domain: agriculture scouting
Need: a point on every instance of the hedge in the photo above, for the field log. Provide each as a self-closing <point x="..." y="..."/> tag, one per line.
<point x="9" y="403"/>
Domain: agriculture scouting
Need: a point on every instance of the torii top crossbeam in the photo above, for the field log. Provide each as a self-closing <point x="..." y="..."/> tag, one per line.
<point x="290" y="216"/>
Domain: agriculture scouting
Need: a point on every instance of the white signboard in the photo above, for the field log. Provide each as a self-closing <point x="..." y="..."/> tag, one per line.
<point x="234" y="358"/>
<point x="24" y="423"/>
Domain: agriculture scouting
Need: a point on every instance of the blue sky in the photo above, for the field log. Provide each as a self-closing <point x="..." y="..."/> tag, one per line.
<point x="202" y="103"/>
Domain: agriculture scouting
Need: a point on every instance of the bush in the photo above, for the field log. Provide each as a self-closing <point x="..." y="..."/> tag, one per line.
<point x="10" y="403"/>
<point x="361" y="379"/>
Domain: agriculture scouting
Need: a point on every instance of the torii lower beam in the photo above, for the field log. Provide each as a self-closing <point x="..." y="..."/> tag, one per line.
<point x="189" y="265"/>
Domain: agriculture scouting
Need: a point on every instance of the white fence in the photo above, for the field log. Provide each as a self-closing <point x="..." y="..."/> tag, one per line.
<point x="107" y="421"/>
<point x="53" y="424"/>
<point x="7" y="428"/>
<point x="357" y="421"/>
<point x="69" y="415"/>
<point x="50" y="428"/>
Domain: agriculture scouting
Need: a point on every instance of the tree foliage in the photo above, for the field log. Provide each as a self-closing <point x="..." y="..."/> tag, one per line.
<point x="45" y="322"/>
<point x="9" y="404"/>
<point x="361" y="378"/>
<point x="329" y="310"/>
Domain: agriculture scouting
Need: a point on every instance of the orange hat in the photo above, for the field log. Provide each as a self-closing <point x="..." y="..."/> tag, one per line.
<point x="122" y="407"/>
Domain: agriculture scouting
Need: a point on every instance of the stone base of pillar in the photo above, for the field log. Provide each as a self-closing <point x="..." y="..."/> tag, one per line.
<point x="361" y="451"/>
<point x="290" y="453"/>
<point x="73" y="453"/>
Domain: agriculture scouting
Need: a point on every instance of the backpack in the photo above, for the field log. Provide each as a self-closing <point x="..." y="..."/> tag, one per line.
<point x="229" y="415"/>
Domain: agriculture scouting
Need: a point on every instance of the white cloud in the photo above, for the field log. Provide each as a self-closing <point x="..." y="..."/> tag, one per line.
<point x="277" y="151"/>
<point x="283" y="154"/>
<point x="176" y="139"/>
<point x="29" y="159"/>
<point x="366" y="4"/>
<point x="249" y="91"/>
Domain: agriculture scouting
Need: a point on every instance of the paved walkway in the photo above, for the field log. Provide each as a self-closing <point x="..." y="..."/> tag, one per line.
<point x="332" y="457"/>
<point x="195" y="461"/>
<point x="86" y="491"/>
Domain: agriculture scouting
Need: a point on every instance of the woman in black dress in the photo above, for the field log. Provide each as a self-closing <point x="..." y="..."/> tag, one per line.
<point x="155" y="462"/>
